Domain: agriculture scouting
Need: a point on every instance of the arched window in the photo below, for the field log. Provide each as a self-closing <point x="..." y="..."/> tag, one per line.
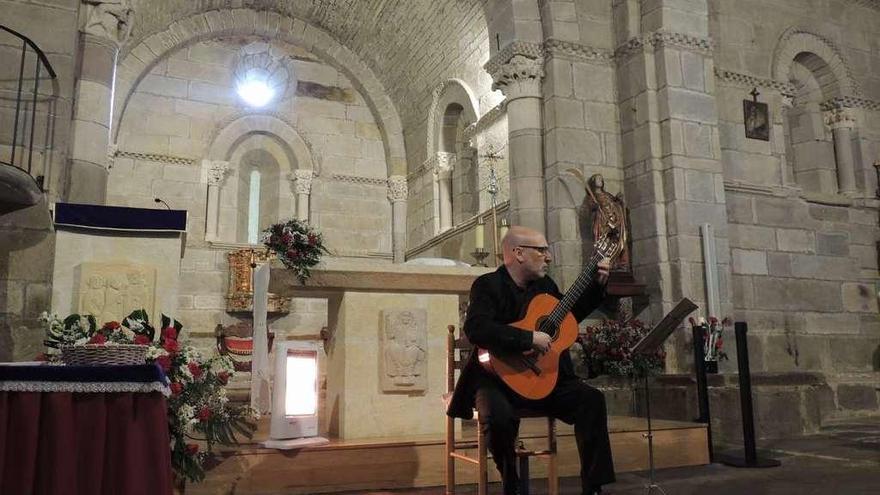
<point x="457" y="176"/>
<point x="456" y="181"/>
<point x="253" y="221"/>
<point x="257" y="194"/>
<point x="809" y="146"/>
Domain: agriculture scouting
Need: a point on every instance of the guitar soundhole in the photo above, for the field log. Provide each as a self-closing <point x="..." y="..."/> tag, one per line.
<point x="547" y="326"/>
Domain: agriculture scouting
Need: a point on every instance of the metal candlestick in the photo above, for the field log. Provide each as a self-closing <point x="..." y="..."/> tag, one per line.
<point x="480" y="255"/>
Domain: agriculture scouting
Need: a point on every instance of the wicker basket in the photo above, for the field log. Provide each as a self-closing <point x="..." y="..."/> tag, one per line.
<point x="103" y="355"/>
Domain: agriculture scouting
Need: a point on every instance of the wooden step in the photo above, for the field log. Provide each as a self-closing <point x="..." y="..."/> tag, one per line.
<point x="418" y="461"/>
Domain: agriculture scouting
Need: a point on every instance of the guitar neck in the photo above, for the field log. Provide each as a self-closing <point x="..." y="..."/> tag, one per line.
<point x="584" y="281"/>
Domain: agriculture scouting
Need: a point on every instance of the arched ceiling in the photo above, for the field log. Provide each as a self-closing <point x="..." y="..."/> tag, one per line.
<point x="407" y="43"/>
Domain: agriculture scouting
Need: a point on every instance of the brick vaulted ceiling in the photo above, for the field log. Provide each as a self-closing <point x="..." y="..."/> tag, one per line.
<point x="408" y="44"/>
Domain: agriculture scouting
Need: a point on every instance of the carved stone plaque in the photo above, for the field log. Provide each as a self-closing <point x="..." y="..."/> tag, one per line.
<point x="403" y="359"/>
<point x="111" y="291"/>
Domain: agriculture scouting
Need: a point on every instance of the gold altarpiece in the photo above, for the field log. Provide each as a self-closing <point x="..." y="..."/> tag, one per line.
<point x="240" y="295"/>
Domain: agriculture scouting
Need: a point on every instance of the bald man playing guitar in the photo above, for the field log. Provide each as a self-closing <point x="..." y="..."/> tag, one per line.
<point x="522" y="327"/>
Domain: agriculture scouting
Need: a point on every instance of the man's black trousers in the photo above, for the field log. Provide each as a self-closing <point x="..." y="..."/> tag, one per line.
<point x="572" y="401"/>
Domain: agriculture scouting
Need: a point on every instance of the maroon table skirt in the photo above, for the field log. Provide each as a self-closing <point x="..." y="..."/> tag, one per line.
<point x="59" y="443"/>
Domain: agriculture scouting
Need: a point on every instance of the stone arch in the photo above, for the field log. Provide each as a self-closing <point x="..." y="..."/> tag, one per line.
<point x="236" y="22"/>
<point x="446" y="93"/>
<point x="819" y="73"/>
<point x="453" y="108"/>
<point x="826" y="61"/>
<point x="233" y="139"/>
<point x="232" y="132"/>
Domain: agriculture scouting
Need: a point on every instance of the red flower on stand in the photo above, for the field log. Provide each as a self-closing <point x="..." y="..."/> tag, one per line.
<point x="296" y="244"/>
<point x="169" y="333"/>
<point x="197" y="405"/>
<point x="606" y="350"/>
<point x="171" y="346"/>
<point x="164" y="362"/>
<point x="195" y="369"/>
<point x="204" y="414"/>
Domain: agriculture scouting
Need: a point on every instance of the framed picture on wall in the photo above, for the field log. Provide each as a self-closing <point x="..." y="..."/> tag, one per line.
<point x="757" y="120"/>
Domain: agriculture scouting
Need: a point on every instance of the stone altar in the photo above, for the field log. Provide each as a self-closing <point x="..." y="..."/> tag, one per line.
<point x="362" y="401"/>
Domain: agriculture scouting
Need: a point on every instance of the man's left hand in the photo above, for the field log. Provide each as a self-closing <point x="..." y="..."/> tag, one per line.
<point x="603" y="268"/>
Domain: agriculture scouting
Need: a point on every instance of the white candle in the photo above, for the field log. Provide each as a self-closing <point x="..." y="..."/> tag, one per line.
<point x="503" y="231"/>
<point x="478" y="234"/>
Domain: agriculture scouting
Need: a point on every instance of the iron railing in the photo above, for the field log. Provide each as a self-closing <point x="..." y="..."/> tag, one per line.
<point x="27" y="104"/>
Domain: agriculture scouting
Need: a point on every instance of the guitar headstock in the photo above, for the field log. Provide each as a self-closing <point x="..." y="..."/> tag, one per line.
<point x="610" y="244"/>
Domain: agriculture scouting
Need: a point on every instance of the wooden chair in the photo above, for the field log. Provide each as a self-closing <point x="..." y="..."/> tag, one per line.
<point x="237" y="342"/>
<point x="457" y="352"/>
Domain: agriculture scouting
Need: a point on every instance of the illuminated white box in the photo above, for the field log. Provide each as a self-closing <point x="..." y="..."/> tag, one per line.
<point x="295" y="396"/>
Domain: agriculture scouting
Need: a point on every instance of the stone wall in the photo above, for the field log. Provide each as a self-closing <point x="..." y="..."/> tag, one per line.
<point x="803" y="251"/>
<point x="180" y="113"/>
<point x="27" y="241"/>
<point x="784" y="404"/>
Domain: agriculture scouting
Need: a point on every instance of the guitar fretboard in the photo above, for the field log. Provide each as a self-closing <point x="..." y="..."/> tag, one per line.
<point x="581" y="284"/>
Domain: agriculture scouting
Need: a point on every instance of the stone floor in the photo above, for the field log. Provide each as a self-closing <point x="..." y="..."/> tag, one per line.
<point x="843" y="459"/>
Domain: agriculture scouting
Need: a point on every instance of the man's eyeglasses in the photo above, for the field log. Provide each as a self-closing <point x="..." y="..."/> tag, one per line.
<point x="541" y="249"/>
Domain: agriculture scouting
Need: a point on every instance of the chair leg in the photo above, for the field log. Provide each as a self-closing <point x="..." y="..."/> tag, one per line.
<point x="552" y="474"/>
<point x="482" y="466"/>
<point x="524" y="475"/>
<point x="450" y="461"/>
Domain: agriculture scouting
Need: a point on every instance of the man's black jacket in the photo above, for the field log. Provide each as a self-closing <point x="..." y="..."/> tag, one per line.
<point x="495" y="301"/>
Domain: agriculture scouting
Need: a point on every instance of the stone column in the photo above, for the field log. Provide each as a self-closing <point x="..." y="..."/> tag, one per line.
<point x="671" y="156"/>
<point x="303" y="187"/>
<point x="841" y="122"/>
<point x="217" y="171"/>
<point x="877" y="174"/>
<point x="107" y="26"/>
<point x="397" y="194"/>
<point x="517" y="71"/>
<point x="443" y="173"/>
<point x="787" y="172"/>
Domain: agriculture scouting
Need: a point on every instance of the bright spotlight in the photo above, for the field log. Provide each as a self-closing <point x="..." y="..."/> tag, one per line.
<point x="255" y="90"/>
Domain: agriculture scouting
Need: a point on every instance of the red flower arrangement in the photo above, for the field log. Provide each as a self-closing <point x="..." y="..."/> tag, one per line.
<point x="198" y="406"/>
<point x="297" y="245"/>
<point x="713" y="342"/>
<point x="607" y="349"/>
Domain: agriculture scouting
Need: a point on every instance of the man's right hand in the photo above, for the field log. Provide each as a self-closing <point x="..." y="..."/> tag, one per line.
<point x="541" y="342"/>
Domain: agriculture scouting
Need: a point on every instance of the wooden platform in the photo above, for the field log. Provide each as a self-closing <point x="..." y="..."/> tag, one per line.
<point x="418" y="462"/>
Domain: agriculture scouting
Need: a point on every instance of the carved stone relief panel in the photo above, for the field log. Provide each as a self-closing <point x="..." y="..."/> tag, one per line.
<point x="111" y="291"/>
<point x="403" y="360"/>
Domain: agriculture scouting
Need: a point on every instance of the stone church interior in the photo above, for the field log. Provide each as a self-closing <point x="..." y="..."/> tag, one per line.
<point x="254" y="227"/>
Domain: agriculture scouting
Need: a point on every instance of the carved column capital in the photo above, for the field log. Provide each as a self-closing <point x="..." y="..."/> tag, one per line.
<point x="787" y="100"/>
<point x="444" y="164"/>
<point x="840" y="118"/>
<point x="217" y="172"/>
<point x="520" y="77"/>
<point x="397" y="188"/>
<point x="302" y="180"/>
<point x="108" y="19"/>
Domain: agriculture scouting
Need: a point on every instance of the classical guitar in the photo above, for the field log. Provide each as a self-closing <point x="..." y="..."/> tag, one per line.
<point x="533" y="375"/>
